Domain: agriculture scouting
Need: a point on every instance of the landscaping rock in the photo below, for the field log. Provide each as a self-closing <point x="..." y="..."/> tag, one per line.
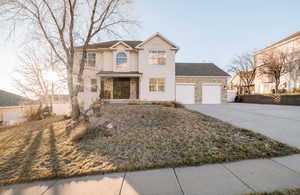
<point x="79" y="131"/>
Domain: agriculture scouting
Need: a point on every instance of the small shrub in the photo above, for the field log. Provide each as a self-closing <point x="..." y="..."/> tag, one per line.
<point x="33" y="114"/>
<point x="178" y="105"/>
<point x="172" y="104"/>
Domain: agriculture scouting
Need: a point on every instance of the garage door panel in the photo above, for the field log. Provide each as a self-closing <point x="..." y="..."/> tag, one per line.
<point x="211" y="94"/>
<point x="185" y="93"/>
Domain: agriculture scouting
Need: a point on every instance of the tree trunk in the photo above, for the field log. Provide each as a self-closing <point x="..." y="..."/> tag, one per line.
<point x="277" y="81"/>
<point x="73" y="97"/>
<point x="248" y="90"/>
<point x="51" y="99"/>
<point x="75" y="108"/>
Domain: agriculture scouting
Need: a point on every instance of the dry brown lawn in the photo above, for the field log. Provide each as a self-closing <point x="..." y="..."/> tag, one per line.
<point x="143" y="137"/>
<point x="295" y="191"/>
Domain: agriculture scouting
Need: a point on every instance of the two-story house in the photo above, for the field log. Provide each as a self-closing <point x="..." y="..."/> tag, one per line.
<point x="146" y="71"/>
<point x="264" y="84"/>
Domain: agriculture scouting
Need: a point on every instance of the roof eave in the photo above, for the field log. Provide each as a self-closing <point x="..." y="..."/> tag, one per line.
<point x="139" y="46"/>
<point x="121" y="42"/>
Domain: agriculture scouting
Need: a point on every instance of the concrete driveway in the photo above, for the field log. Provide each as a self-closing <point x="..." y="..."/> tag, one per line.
<point x="276" y="121"/>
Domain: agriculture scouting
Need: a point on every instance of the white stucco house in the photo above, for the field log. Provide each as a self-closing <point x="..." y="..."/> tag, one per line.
<point x="146" y="71"/>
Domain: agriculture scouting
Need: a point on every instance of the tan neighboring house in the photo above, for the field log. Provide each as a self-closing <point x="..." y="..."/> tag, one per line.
<point x="290" y="81"/>
<point x="146" y="71"/>
<point x="236" y="84"/>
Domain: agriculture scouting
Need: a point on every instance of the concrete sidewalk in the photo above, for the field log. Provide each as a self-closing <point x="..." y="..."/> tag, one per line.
<point x="227" y="178"/>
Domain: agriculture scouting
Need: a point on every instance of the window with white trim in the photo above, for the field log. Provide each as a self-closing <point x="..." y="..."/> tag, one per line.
<point x="90" y="59"/>
<point x="157" y="57"/>
<point x="93" y="85"/>
<point x="121" y="58"/>
<point x="157" y="84"/>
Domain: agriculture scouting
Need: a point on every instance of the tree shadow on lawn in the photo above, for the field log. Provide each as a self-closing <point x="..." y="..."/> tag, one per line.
<point x="53" y="152"/>
<point x="9" y="167"/>
<point x="18" y="167"/>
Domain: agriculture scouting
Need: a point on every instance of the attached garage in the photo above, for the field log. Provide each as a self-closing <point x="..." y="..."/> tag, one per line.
<point x="200" y="83"/>
<point x="211" y="93"/>
<point x="185" y="93"/>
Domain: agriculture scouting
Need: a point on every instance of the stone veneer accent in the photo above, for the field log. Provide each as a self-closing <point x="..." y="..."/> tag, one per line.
<point x="133" y="88"/>
<point x="198" y="81"/>
<point x="108" y="85"/>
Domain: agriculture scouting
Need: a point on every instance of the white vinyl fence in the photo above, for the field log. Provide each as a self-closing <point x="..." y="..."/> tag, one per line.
<point x="62" y="109"/>
<point x="10" y="115"/>
<point x="231" y="94"/>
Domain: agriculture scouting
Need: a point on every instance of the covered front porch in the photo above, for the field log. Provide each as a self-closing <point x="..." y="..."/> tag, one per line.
<point x="120" y="86"/>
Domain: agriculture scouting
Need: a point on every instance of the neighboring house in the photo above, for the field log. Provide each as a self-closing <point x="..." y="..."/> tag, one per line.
<point x="10" y="99"/>
<point x="146" y="71"/>
<point x="236" y="84"/>
<point x="291" y="81"/>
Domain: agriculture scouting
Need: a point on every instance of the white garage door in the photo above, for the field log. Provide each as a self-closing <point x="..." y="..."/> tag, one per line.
<point x="185" y="93"/>
<point x="211" y="94"/>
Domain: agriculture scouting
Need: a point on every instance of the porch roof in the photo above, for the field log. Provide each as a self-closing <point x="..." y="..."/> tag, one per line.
<point x="119" y="74"/>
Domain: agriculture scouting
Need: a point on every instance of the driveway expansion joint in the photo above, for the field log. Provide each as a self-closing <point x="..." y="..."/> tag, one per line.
<point x="285" y="166"/>
<point x="50" y="186"/>
<point x="178" y="181"/>
<point x="122" y="183"/>
<point x="240" y="179"/>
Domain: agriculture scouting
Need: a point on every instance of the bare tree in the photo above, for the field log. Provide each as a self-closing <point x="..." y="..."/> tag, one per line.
<point x="63" y="24"/>
<point x="31" y="75"/>
<point x="244" y="67"/>
<point x="275" y="64"/>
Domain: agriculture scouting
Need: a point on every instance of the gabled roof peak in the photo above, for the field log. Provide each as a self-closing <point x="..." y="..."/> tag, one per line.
<point x="132" y="44"/>
<point x="162" y="37"/>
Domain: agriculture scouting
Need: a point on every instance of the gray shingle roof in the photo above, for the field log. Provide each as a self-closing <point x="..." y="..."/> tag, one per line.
<point x="108" y="44"/>
<point x="199" y="69"/>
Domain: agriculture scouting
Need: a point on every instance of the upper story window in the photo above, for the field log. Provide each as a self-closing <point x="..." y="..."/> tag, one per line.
<point x="90" y="59"/>
<point x="121" y="58"/>
<point x="157" y="57"/>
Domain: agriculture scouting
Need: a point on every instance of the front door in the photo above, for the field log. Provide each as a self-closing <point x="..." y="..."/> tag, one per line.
<point x="121" y="88"/>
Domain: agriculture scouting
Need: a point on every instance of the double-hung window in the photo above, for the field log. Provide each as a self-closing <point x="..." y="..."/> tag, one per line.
<point x="157" y="85"/>
<point x="90" y="59"/>
<point x="158" y="57"/>
<point x="93" y="85"/>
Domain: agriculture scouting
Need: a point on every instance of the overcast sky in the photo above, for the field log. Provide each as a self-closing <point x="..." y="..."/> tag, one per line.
<point x="206" y="31"/>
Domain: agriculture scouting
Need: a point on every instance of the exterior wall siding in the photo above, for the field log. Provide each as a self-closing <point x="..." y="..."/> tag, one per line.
<point x="166" y="71"/>
<point x="138" y="60"/>
<point x="198" y="81"/>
